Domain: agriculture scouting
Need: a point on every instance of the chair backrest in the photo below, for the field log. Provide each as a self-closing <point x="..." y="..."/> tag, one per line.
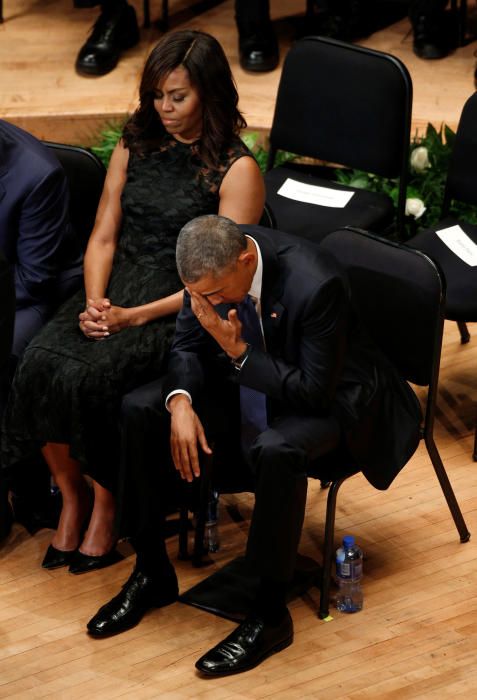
<point x="461" y="181"/>
<point x="85" y="174"/>
<point x="268" y="218"/>
<point x="399" y="297"/>
<point x="344" y="104"/>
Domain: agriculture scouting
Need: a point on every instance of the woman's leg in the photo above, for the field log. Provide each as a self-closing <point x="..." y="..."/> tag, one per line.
<point x="74" y="492"/>
<point x="100" y="536"/>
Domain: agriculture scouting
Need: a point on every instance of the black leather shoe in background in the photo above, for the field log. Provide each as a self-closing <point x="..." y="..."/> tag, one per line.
<point x="113" y="32"/>
<point x="138" y="595"/>
<point x="258" y="50"/>
<point x="248" y="645"/>
<point x="430" y="40"/>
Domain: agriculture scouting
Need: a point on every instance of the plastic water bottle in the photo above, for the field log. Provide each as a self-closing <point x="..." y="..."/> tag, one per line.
<point x="349" y="570"/>
<point x="211" y="531"/>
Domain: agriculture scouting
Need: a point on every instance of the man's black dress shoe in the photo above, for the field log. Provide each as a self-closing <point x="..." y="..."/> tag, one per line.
<point x="113" y="32"/>
<point x="54" y="558"/>
<point x="258" y="51"/>
<point x="430" y="41"/>
<point x="82" y="563"/>
<point x="248" y="645"/>
<point x="138" y="595"/>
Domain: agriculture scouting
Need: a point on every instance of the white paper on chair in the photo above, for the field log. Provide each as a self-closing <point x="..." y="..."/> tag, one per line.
<point x="314" y="194"/>
<point x="459" y="242"/>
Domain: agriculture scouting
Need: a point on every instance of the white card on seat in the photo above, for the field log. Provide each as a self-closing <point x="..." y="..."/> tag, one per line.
<point x="314" y="194"/>
<point x="459" y="243"/>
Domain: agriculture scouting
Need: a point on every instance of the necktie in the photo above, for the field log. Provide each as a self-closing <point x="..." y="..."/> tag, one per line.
<point x="253" y="404"/>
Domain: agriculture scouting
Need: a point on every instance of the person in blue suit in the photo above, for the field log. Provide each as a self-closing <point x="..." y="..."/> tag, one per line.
<point x="35" y="232"/>
<point x="36" y="239"/>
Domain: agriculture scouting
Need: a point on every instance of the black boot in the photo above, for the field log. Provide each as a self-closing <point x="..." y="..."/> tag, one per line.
<point x="431" y="40"/>
<point x="115" y="30"/>
<point x="258" y="47"/>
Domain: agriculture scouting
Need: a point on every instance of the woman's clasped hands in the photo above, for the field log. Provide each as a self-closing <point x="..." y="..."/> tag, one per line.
<point x="101" y="318"/>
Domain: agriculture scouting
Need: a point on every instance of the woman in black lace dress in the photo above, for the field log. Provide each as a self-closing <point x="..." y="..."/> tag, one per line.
<point x="180" y="156"/>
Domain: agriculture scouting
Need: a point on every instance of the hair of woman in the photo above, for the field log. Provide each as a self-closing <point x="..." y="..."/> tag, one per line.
<point x="209" y="72"/>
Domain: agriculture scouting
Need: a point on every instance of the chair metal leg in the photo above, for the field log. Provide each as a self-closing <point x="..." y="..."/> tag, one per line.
<point x="464" y="332"/>
<point x="205" y="486"/>
<point x="328" y="548"/>
<point x="147" y="14"/>
<point x="447" y="489"/>
<point x="183" y="532"/>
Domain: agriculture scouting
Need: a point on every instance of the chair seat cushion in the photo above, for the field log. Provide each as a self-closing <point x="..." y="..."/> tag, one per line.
<point x="461" y="278"/>
<point x="369" y="210"/>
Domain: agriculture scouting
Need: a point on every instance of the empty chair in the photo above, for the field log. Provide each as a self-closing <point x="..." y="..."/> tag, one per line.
<point x="452" y="242"/>
<point x="347" y="105"/>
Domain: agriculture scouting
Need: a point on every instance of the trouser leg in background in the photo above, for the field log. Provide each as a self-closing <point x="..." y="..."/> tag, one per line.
<point x="431" y="32"/>
<point x="115" y="30"/>
<point x="258" y="46"/>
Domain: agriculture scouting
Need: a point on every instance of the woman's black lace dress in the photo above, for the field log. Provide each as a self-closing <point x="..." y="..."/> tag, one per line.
<point x="68" y="388"/>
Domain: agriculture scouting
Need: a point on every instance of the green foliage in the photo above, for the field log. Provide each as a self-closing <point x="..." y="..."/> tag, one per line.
<point x="252" y="141"/>
<point x="107" y="140"/>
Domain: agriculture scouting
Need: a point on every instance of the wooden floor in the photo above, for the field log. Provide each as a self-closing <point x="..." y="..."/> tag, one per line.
<point x="417" y="634"/>
<point x="415" y="638"/>
<point x="40" y="90"/>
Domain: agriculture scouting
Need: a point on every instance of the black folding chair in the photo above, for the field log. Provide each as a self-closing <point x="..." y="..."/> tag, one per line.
<point x="85" y="174"/>
<point x="461" y="186"/>
<point x="399" y="296"/>
<point x="346" y="105"/>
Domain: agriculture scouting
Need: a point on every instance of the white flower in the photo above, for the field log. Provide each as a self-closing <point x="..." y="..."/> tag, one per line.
<point x="415" y="207"/>
<point x="420" y="159"/>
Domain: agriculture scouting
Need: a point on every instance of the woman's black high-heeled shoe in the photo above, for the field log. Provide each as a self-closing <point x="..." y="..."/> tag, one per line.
<point x="82" y="563"/>
<point x="54" y="558"/>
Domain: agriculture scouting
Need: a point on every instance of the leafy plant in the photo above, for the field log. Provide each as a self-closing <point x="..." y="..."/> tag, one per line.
<point x="107" y="140"/>
<point x="428" y="165"/>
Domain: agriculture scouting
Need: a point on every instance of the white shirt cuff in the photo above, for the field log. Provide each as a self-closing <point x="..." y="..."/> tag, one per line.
<point x="177" y="391"/>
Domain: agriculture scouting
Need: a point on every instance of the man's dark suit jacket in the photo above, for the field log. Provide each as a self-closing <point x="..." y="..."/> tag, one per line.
<point x="35" y="232"/>
<point x="316" y="361"/>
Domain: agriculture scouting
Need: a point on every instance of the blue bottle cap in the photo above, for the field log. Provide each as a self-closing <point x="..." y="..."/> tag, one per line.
<point x="348" y="541"/>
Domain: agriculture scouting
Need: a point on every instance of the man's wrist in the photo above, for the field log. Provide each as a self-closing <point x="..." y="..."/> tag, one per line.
<point x="239" y="361"/>
<point x="238" y="350"/>
<point x="176" y="400"/>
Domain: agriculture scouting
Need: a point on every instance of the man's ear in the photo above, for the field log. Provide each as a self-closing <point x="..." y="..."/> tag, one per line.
<point x="246" y="258"/>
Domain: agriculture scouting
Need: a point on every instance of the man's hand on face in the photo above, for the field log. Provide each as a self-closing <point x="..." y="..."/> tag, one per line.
<point x="186" y="433"/>
<point x="227" y="332"/>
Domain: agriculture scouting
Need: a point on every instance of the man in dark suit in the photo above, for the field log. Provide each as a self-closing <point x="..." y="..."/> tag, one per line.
<point x="36" y="238"/>
<point x="302" y="384"/>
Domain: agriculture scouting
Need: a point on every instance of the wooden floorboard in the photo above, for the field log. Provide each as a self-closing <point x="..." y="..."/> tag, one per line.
<point x="415" y="637"/>
<point x="417" y="634"/>
<point x="40" y="90"/>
